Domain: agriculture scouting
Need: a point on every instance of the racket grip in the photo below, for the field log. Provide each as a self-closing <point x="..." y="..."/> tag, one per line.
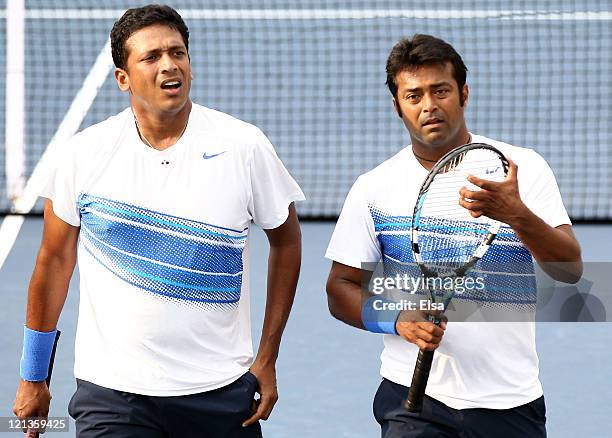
<point x="416" y="393"/>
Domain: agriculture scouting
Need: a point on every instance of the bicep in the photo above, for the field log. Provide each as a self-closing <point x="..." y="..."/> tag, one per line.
<point x="59" y="237"/>
<point x="288" y="233"/>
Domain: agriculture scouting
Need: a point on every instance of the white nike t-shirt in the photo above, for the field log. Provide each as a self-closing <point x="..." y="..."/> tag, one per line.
<point x="163" y="249"/>
<point x="478" y="365"/>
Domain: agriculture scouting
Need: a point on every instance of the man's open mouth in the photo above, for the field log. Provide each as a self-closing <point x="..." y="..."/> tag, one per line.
<point x="171" y="84"/>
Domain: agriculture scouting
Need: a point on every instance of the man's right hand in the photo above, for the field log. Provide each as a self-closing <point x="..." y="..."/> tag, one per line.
<point x="32" y="400"/>
<point x="415" y="328"/>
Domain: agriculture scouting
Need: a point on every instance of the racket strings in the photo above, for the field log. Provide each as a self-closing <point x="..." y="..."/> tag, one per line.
<point x="451" y="165"/>
<point x="448" y="235"/>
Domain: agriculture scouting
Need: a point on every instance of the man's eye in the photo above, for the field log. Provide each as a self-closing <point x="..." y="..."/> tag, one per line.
<point x="442" y="92"/>
<point x="412" y="98"/>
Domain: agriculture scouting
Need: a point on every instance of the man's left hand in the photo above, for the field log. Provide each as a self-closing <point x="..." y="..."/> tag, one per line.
<point x="497" y="200"/>
<point x="268" y="392"/>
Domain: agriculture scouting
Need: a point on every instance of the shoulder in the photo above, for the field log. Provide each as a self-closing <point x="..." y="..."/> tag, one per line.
<point x="387" y="170"/>
<point x="229" y="132"/>
<point x="99" y="137"/>
<point x="380" y="183"/>
<point x="525" y="158"/>
<point x="107" y="127"/>
<point x="224" y="125"/>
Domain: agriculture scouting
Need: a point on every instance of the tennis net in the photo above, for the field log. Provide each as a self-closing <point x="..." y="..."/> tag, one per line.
<point x="312" y="77"/>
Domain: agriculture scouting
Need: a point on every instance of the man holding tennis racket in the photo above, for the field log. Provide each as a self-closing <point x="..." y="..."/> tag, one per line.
<point x="157" y="201"/>
<point x="484" y="376"/>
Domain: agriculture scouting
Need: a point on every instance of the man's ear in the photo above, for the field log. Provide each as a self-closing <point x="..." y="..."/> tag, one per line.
<point x="465" y="94"/>
<point x="123" y="79"/>
<point x="398" y="110"/>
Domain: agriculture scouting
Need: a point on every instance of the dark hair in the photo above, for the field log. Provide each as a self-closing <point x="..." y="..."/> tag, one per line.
<point x="423" y="50"/>
<point x="138" y="18"/>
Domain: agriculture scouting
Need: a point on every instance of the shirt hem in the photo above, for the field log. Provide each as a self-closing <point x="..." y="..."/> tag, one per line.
<point x="508" y="402"/>
<point x="462" y="404"/>
<point x="60" y="214"/>
<point x="296" y="197"/>
<point x="165" y="392"/>
<point x="352" y="263"/>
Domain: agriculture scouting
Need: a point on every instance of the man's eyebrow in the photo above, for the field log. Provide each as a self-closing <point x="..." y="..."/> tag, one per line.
<point x="441" y="84"/>
<point x="158" y="50"/>
<point x="436" y="85"/>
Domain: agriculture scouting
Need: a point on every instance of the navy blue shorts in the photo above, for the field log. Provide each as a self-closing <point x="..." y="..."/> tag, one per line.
<point x="438" y="420"/>
<point x="103" y="412"/>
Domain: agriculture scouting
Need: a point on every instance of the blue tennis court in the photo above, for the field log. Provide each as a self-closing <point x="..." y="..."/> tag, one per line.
<point x="327" y="371"/>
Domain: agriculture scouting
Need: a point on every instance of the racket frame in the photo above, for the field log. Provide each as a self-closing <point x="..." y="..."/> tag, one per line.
<point x="416" y="392"/>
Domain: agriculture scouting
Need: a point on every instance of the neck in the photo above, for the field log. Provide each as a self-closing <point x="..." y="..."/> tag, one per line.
<point x="161" y="131"/>
<point x="428" y="154"/>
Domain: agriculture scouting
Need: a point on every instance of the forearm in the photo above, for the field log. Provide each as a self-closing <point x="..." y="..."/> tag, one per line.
<point x="342" y="302"/>
<point x="283" y="273"/>
<point x="345" y="296"/>
<point x="47" y="291"/>
<point x="46" y="297"/>
<point x="555" y="249"/>
<point x="347" y="301"/>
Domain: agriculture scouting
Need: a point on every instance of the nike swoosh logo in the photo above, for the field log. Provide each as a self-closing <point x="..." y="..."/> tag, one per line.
<point x="208" y="157"/>
<point x="492" y="170"/>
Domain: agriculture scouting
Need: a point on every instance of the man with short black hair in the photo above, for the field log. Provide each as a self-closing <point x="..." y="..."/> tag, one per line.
<point x="484" y="378"/>
<point x="158" y="199"/>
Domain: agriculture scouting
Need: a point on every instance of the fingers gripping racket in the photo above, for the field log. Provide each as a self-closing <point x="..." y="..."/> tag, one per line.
<point x="446" y="240"/>
<point x="31" y="433"/>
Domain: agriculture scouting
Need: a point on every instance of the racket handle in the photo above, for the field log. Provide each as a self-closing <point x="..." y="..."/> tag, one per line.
<point x="416" y="393"/>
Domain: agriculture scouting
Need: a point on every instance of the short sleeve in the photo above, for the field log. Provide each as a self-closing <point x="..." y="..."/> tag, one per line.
<point x="540" y="191"/>
<point x="354" y="239"/>
<point x="61" y="186"/>
<point x="272" y="187"/>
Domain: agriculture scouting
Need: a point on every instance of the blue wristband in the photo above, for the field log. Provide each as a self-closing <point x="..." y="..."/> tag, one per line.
<point x="377" y="318"/>
<point x="36" y="354"/>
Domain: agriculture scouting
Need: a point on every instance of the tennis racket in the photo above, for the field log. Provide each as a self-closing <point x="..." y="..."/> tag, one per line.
<point x="31" y="433"/>
<point x="446" y="240"/>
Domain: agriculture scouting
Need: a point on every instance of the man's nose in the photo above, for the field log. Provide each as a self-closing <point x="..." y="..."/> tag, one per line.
<point x="429" y="102"/>
<point x="167" y="63"/>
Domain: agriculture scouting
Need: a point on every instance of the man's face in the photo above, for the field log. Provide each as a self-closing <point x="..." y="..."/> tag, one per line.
<point x="158" y="72"/>
<point x="428" y="103"/>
